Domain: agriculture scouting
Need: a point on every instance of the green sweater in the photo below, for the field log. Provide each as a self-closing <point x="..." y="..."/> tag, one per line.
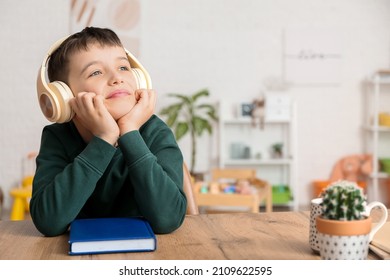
<point x="142" y="177"/>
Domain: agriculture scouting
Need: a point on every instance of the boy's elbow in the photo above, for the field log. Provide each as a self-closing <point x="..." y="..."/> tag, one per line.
<point x="164" y="226"/>
<point x="164" y="229"/>
<point x="47" y="226"/>
<point x="49" y="230"/>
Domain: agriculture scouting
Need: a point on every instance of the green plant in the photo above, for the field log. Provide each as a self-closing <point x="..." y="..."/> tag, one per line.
<point x="343" y="200"/>
<point x="189" y="115"/>
<point x="277" y="149"/>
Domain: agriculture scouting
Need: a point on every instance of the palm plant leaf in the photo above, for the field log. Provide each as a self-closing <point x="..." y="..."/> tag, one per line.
<point x="212" y="115"/>
<point x="200" y="124"/>
<point x="210" y="111"/>
<point x="172" y="117"/>
<point x="200" y="93"/>
<point x="184" y="99"/>
<point x="170" y="108"/>
<point x="181" y="130"/>
<point x="185" y="116"/>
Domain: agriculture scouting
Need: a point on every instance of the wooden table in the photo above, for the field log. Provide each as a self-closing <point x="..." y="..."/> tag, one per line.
<point x="271" y="236"/>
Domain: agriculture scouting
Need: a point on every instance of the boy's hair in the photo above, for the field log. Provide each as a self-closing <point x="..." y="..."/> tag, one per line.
<point x="58" y="65"/>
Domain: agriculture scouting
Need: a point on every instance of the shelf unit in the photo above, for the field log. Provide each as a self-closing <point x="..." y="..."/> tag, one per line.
<point x="233" y="130"/>
<point x="377" y="85"/>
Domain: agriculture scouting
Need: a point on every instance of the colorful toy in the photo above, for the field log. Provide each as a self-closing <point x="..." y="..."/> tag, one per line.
<point x="244" y="187"/>
<point x="353" y="168"/>
<point x="258" y="112"/>
<point x="214" y="188"/>
<point x="230" y="189"/>
<point x="204" y="189"/>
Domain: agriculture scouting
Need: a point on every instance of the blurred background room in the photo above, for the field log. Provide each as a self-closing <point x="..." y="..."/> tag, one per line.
<point x="309" y="65"/>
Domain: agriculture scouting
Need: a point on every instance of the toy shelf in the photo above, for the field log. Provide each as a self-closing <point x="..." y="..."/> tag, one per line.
<point x="377" y="86"/>
<point x="258" y="141"/>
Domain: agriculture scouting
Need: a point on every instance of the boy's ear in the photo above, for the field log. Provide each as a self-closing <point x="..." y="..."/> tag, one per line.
<point x="54" y="97"/>
<point x="54" y="101"/>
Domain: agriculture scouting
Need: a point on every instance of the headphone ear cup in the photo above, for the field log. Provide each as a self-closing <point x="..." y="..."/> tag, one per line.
<point x="140" y="78"/>
<point x="54" y="102"/>
<point x="141" y="75"/>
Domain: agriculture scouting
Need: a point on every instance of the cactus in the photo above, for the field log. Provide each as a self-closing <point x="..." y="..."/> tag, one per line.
<point x="343" y="200"/>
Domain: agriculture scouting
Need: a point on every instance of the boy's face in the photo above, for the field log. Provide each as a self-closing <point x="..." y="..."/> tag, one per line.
<point x="105" y="71"/>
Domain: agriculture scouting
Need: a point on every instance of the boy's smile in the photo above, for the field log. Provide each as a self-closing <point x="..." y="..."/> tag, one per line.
<point x="118" y="93"/>
<point x="104" y="71"/>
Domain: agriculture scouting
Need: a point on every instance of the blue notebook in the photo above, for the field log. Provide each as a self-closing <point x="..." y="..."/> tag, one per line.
<point x="110" y="235"/>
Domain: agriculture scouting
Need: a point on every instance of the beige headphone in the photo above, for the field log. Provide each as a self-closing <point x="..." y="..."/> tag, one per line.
<point x="54" y="97"/>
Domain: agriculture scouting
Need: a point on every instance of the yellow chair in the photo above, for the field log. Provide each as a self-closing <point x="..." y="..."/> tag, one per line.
<point x="22" y="195"/>
<point x="21" y="204"/>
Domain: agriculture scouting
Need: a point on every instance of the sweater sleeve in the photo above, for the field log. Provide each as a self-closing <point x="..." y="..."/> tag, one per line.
<point x="156" y="172"/>
<point x="62" y="184"/>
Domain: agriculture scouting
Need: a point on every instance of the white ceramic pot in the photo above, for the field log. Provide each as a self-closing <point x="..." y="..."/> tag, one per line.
<point x="348" y="240"/>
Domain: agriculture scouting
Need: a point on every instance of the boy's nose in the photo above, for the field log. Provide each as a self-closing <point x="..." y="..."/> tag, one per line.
<point x="116" y="79"/>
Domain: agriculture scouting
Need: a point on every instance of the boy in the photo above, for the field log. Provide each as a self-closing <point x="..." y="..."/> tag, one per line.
<point x="115" y="158"/>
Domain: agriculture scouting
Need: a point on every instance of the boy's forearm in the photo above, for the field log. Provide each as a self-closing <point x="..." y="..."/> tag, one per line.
<point x="61" y="189"/>
<point x="157" y="177"/>
<point x="159" y="193"/>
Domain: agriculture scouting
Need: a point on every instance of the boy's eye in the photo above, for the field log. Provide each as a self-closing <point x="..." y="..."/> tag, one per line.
<point x="95" y="73"/>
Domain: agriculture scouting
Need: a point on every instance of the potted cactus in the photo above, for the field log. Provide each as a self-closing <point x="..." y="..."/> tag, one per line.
<point x="343" y="201"/>
<point x="344" y="226"/>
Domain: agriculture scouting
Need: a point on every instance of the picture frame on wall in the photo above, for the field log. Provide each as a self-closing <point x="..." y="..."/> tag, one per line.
<point x="245" y="110"/>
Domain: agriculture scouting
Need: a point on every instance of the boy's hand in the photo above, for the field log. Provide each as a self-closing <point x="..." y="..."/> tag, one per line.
<point x="141" y="112"/>
<point x="94" y="116"/>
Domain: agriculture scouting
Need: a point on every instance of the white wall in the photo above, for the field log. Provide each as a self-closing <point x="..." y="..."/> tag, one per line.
<point x="229" y="46"/>
<point x="27" y="28"/>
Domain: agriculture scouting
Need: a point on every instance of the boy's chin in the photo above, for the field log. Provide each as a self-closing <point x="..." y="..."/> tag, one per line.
<point x="117" y="114"/>
<point x="119" y="109"/>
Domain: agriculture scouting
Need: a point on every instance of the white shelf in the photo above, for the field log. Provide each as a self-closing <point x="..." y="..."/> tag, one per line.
<point x="233" y="130"/>
<point x="247" y="121"/>
<point x="244" y="162"/>
<point x="379" y="175"/>
<point x="378" y="79"/>
<point x="379" y="85"/>
<point x="372" y="128"/>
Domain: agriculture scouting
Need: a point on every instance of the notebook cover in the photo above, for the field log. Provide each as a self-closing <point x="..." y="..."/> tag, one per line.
<point x="110" y="229"/>
<point x="379" y="252"/>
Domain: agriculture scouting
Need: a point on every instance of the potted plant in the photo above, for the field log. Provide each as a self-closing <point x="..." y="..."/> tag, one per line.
<point x="277" y="150"/>
<point x="190" y="115"/>
<point x="344" y="226"/>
